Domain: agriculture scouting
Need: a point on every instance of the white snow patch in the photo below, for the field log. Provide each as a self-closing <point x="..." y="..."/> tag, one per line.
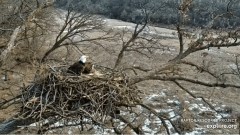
<point x="171" y="114"/>
<point x="121" y="125"/>
<point x="233" y="66"/>
<point x="223" y="115"/>
<point x="70" y="131"/>
<point x="172" y="49"/>
<point x="166" y="110"/>
<point x="162" y="94"/>
<point x="33" y="125"/>
<point x="187" y="102"/>
<point x="218" y="108"/>
<point x="219" y="117"/>
<point x="57" y="124"/>
<point x="223" y="105"/>
<point x="4" y="77"/>
<point x="146" y="127"/>
<point x="124" y="27"/>
<point x="148" y="30"/>
<point x="39" y="123"/>
<point x="173" y="101"/>
<point x="201" y="108"/>
<point x="152" y="96"/>
<point x="100" y="131"/>
<point x="199" y="99"/>
<point x="193" y="133"/>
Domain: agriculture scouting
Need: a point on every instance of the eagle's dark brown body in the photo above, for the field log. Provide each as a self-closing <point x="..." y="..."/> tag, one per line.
<point x="78" y="68"/>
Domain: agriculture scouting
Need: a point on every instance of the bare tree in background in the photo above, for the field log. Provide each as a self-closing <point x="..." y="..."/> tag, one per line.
<point x="74" y="29"/>
<point x="19" y="20"/>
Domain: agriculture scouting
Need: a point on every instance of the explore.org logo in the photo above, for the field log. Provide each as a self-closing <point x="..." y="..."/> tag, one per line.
<point x="216" y="126"/>
<point x="216" y="123"/>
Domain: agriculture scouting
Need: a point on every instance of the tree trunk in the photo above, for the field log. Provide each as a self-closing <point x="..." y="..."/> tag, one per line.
<point x="119" y="59"/>
<point x="10" y="45"/>
<point x="47" y="53"/>
<point x="11" y="125"/>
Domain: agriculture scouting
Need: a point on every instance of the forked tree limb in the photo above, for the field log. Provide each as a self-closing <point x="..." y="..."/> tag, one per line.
<point x="180" y="78"/>
<point x="76" y="24"/>
<point x="127" y="44"/>
<point x="136" y="129"/>
<point x="199" y="68"/>
<point x="194" y="96"/>
<point x="157" y="114"/>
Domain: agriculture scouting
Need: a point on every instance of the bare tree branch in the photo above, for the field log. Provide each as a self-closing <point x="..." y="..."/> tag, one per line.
<point x="157" y="114"/>
<point x="75" y="25"/>
<point x="180" y="37"/>
<point x="201" y="69"/>
<point x="126" y="45"/>
<point x="191" y="94"/>
<point x="10" y="45"/>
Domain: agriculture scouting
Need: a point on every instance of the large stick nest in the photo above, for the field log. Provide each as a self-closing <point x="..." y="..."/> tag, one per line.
<point x="77" y="97"/>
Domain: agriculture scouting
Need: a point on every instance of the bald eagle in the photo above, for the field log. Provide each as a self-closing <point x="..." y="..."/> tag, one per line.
<point x="81" y="66"/>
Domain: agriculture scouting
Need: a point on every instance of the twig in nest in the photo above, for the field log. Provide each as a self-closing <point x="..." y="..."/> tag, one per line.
<point x="76" y="97"/>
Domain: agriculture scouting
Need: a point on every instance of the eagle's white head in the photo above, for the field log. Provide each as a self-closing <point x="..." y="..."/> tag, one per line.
<point x="83" y="59"/>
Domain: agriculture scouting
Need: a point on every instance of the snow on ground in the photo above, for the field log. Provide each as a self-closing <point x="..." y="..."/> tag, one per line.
<point x="150" y="30"/>
<point x="151" y="124"/>
<point x="197" y="104"/>
<point x="233" y="66"/>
